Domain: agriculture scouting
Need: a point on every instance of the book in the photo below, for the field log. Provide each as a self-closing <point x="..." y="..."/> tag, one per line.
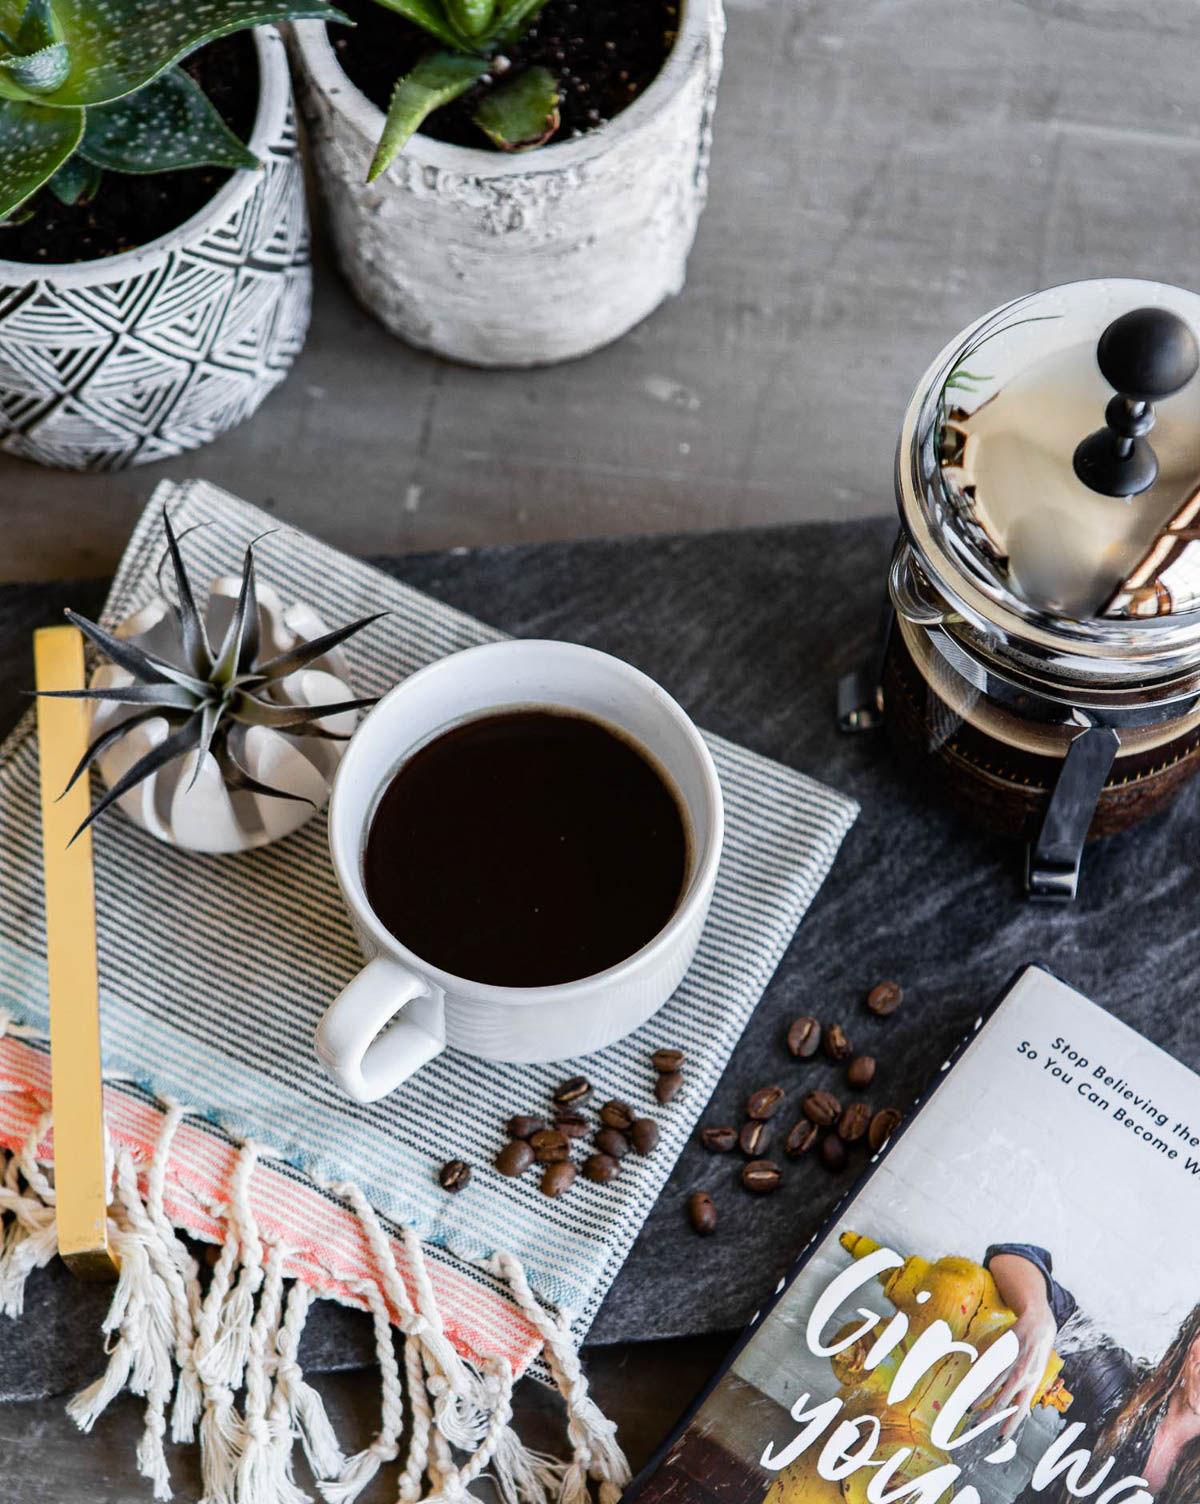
<point x="1007" y="1305"/>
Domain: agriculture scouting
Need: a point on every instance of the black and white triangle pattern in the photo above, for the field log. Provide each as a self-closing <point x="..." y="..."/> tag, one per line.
<point x="148" y="365"/>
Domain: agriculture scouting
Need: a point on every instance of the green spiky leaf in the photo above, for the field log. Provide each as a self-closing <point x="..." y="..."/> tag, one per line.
<point x="104" y="741"/>
<point x="279" y="717"/>
<point x="76" y="181"/>
<point x="164" y="696"/>
<point x="38" y="29"/>
<point x="305" y="653"/>
<point x="471" y="17"/>
<point x="240" y="647"/>
<point x="437" y="79"/>
<point x="35" y="73"/>
<point x="191" y="623"/>
<point x="144" y="666"/>
<point x="34" y="143"/>
<point x="238" y="779"/>
<point x="168" y="125"/>
<point x="117" y="46"/>
<point x="430" y="16"/>
<point x="522" y="113"/>
<point x="179" y="742"/>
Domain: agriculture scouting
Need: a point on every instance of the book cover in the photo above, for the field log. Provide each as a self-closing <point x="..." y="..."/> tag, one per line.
<point x="1006" y="1308"/>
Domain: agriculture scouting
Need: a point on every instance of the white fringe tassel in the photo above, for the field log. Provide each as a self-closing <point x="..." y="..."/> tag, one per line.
<point x="193" y="1357"/>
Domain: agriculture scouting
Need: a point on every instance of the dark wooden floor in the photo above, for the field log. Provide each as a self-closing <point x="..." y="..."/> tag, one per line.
<point x="883" y="172"/>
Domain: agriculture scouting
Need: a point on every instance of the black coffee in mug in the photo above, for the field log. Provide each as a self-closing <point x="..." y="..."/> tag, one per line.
<point x="526" y="848"/>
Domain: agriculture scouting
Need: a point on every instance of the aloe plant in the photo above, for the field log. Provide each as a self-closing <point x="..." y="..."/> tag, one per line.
<point x="208" y="694"/>
<point x="518" y="111"/>
<point x="88" y="86"/>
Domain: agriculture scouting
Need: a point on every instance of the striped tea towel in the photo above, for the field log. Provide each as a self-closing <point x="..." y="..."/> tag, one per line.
<point x="214" y="972"/>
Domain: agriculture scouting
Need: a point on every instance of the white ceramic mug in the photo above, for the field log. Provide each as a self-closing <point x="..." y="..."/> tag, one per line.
<point x="399" y="1011"/>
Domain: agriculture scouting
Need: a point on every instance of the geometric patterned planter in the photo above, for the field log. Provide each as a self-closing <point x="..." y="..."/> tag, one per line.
<point x="141" y="356"/>
<point x="517" y="260"/>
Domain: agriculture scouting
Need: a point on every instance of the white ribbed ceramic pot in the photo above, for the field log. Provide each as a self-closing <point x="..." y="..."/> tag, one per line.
<point x="141" y="356"/>
<point x="523" y="260"/>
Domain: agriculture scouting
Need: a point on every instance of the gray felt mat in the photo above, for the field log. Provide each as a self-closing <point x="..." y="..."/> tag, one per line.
<point x="750" y="630"/>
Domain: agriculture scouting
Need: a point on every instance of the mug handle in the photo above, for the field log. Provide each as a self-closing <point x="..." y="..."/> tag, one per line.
<point x="380" y="1029"/>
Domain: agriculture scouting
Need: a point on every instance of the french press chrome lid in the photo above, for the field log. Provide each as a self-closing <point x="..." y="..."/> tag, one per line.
<point x="1048" y="482"/>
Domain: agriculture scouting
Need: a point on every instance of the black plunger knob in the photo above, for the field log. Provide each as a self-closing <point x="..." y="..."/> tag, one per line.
<point x="1146" y="354"/>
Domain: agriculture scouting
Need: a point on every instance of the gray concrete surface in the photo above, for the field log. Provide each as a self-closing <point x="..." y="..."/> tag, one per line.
<point x="883" y="172"/>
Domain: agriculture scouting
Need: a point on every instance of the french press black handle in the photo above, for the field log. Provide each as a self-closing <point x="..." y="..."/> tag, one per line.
<point x="1146" y="354"/>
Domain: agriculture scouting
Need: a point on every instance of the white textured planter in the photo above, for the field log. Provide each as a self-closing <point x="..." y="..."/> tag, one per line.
<point x="140" y="356"/>
<point x="516" y="261"/>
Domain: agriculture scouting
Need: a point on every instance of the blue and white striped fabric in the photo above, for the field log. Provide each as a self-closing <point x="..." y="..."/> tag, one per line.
<point x="215" y="970"/>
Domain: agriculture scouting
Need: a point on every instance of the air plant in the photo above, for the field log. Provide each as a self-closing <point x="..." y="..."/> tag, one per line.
<point x="89" y="86"/>
<point x="518" y="111"/>
<point x="211" y="697"/>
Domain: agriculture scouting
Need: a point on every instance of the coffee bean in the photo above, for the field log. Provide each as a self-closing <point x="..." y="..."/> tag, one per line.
<point x="558" y="1178"/>
<point x="861" y="1070"/>
<point x="515" y="1158"/>
<point x="550" y="1147"/>
<point x="702" y="1212"/>
<point x="609" y="1141"/>
<point x="523" y="1126"/>
<point x="764" y="1103"/>
<point x="837" y="1046"/>
<point x="572" y="1124"/>
<point x="833" y="1153"/>
<point x="600" y="1167"/>
<point x="883" y="1125"/>
<point x="821" y="1107"/>
<point x="884" y="998"/>
<point x="576" y="1089"/>
<point x="453" y="1175"/>
<point x="643" y="1135"/>
<point x="754" y="1138"/>
<point x="617" y="1115"/>
<point x="667" y="1061"/>
<point x="801" y="1139"/>
<point x="667" y="1085"/>
<point x="718" y="1140"/>
<point x="804" y="1037"/>
<point x="761" y="1176"/>
<point x="854" y="1122"/>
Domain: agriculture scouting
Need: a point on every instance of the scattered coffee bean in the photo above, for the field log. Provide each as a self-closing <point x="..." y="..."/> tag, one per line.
<point x="719" y="1140"/>
<point x="643" y="1135"/>
<point x="609" y="1141"/>
<point x="754" y="1138"/>
<point x="600" y="1167"/>
<point x="801" y="1139"/>
<point x="833" y="1153"/>
<point x="667" y="1085"/>
<point x="572" y="1124"/>
<point x="667" y="1061"/>
<point x="617" y="1115"/>
<point x="764" y="1103"/>
<point x="884" y="998"/>
<point x="576" y="1089"/>
<point x="821" y="1107"/>
<point x="854" y="1122"/>
<point x="515" y="1158"/>
<point x="837" y="1046"/>
<point x="804" y="1037"/>
<point x="558" y="1178"/>
<point x="883" y="1125"/>
<point x="453" y="1175"/>
<point x="761" y="1176"/>
<point x="861" y="1070"/>
<point x="550" y="1147"/>
<point x="523" y="1126"/>
<point x="702" y="1212"/>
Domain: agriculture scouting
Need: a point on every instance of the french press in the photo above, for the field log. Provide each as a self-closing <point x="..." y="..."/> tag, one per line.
<point x="1040" y="664"/>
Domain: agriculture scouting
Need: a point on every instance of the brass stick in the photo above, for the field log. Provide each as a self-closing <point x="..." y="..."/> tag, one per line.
<point x="79" y="1171"/>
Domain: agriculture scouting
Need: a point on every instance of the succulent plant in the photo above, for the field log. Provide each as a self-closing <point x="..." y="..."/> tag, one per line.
<point x="211" y="697"/>
<point x="88" y="86"/>
<point x="519" y="111"/>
